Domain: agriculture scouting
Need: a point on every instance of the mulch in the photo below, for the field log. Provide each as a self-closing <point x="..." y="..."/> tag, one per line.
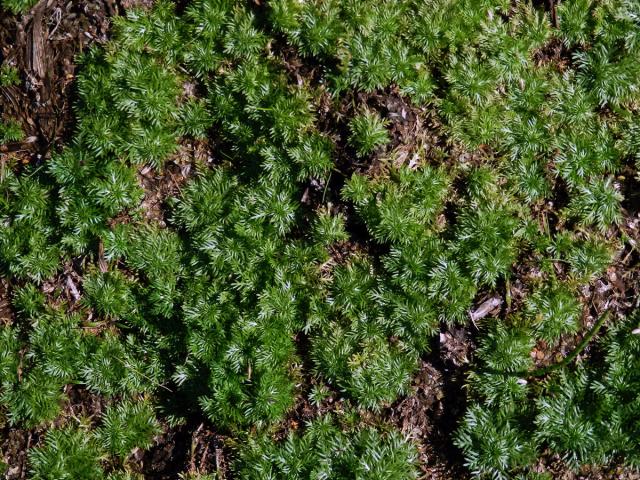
<point x="43" y="45"/>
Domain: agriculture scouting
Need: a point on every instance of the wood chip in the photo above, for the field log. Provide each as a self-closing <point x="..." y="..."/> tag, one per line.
<point x="73" y="289"/>
<point x="485" y="308"/>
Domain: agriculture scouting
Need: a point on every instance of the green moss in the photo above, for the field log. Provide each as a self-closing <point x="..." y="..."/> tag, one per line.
<point x="297" y="264"/>
<point x="18" y="6"/>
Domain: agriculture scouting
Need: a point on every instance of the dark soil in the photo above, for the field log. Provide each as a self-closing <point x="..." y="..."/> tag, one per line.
<point x="554" y="53"/>
<point x="65" y="287"/>
<point x="14" y="445"/>
<point x="42" y="44"/>
<point x="193" y="448"/>
<point x="6" y="314"/>
<point x="158" y="186"/>
<point x="82" y="403"/>
<point x="425" y="416"/>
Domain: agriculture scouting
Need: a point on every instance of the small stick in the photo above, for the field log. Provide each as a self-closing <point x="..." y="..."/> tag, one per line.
<point x="539" y="372"/>
<point x="485" y="307"/>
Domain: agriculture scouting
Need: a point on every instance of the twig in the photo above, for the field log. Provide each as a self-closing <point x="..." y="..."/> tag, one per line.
<point x="73" y="289"/>
<point x="326" y="185"/>
<point x="485" y="307"/>
<point x="57" y="16"/>
<point x="194" y="444"/>
<point x="539" y="372"/>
